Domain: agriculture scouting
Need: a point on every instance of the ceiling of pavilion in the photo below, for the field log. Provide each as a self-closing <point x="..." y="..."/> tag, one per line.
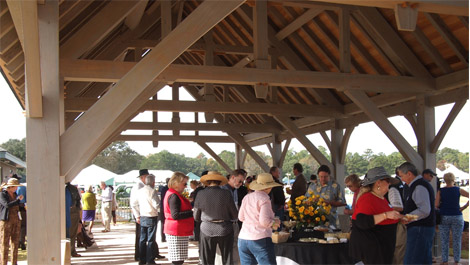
<point x="395" y="68"/>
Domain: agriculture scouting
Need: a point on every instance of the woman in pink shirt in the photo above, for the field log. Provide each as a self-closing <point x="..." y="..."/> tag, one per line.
<point x="254" y="242"/>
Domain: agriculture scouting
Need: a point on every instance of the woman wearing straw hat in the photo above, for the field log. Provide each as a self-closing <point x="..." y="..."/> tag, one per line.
<point x="374" y="222"/>
<point x="10" y="223"/>
<point x="214" y="207"/>
<point x="255" y="245"/>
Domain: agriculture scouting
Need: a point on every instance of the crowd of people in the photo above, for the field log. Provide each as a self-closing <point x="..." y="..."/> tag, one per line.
<point x="393" y="219"/>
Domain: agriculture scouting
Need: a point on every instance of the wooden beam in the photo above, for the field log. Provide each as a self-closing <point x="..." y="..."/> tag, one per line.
<point x="29" y="36"/>
<point x="446" y="125"/>
<point x="453" y="80"/>
<point x="100" y="120"/>
<point x="457" y="7"/>
<point x="326" y="139"/>
<point x="134" y="18"/>
<point x="290" y="126"/>
<point x="344" y="41"/>
<point x="172" y="138"/>
<point x="344" y="144"/>
<point x="298" y="22"/>
<point x="431" y="50"/>
<point x="107" y="71"/>
<point x="389" y="40"/>
<point x="284" y="152"/>
<point x="447" y="35"/>
<point x="239" y="140"/>
<point x="215" y="156"/>
<point x="364" y="102"/>
<point x="97" y="28"/>
<point x="79" y="105"/>
<point x="196" y="47"/>
<point x="225" y="127"/>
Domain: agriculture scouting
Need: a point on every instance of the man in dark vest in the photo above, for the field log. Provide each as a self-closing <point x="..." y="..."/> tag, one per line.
<point x="420" y="202"/>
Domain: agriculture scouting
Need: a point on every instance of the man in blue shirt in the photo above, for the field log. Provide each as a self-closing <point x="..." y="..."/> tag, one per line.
<point x="22" y="191"/>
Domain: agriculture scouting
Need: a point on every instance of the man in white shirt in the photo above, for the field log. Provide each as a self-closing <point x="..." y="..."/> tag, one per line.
<point x="106" y="206"/>
<point x="139" y="184"/>
<point x="145" y="209"/>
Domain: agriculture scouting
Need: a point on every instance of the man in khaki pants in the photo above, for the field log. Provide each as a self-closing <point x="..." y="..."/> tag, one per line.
<point x="395" y="198"/>
<point x="106" y="206"/>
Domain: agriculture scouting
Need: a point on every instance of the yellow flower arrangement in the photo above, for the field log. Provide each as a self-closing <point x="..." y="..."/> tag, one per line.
<point x="185" y="194"/>
<point x="309" y="211"/>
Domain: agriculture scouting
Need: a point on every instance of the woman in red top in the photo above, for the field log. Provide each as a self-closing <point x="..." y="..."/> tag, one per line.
<point x="374" y="222"/>
<point x="179" y="221"/>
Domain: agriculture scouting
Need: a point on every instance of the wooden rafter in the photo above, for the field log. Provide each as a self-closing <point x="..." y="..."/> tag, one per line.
<point x="105" y="118"/>
<point x="107" y="71"/>
<point x="215" y="156"/>
<point x="302" y="138"/>
<point x="362" y="100"/>
<point x="96" y="29"/>
<point x="446" y="125"/>
<point x="395" y="47"/>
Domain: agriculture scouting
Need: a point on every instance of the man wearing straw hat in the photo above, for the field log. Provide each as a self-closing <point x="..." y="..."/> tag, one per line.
<point x="215" y="209"/>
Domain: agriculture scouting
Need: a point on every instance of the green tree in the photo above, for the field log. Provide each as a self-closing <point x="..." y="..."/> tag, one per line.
<point x="118" y="158"/>
<point x="355" y="164"/>
<point x="16" y="147"/>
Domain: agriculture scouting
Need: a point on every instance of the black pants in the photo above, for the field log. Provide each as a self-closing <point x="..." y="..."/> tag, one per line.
<point x="208" y="248"/>
<point x="23" y="225"/>
<point x="137" y="242"/>
<point x="161" y="216"/>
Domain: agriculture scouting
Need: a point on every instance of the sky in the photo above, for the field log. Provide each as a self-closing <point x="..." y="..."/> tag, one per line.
<point x="364" y="136"/>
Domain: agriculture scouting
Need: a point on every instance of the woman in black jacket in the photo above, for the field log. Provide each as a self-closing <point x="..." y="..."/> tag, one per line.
<point x="10" y="222"/>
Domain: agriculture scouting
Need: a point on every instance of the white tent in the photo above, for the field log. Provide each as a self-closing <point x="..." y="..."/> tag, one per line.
<point x="131" y="176"/>
<point x="93" y="175"/>
<point x="459" y="174"/>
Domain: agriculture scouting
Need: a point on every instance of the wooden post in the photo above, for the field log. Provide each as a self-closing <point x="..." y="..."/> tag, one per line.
<point x="426" y="134"/>
<point x="45" y="186"/>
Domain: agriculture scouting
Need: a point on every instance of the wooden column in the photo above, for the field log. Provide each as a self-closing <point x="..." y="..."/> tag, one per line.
<point x="426" y="134"/>
<point x="260" y="37"/>
<point x="45" y="186"/>
<point x="175" y="92"/>
<point x="277" y="151"/>
<point x="238" y="156"/>
<point x="336" y="159"/>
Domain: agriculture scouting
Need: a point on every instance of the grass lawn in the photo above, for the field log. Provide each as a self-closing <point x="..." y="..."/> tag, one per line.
<point x="22" y="255"/>
<point x="463" y="253"/>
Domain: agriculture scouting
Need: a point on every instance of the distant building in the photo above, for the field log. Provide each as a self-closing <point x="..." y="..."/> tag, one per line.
<point x="9" y="164"/>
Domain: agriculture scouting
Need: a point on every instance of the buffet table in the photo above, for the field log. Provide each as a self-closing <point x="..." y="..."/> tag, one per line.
<point x="312" y="253"/>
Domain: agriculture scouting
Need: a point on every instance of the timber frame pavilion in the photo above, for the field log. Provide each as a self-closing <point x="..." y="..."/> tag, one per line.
<point x="263" y="72"/>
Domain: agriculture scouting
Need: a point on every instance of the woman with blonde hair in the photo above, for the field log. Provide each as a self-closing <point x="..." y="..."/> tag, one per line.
<point x="448" y="202"/>
<point x="89" y="207"/>
<point x="10" y="222"/>
<point x="179" y="221"/>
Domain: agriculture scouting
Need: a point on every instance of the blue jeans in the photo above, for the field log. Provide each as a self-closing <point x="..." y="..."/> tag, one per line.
<point x="448" y="223"/>
<point x="147" y="244"/>
<point x="259" y="251"/>
<point x="419" y="245"/>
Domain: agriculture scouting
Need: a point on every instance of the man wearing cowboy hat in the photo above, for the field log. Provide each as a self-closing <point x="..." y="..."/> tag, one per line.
<point x="215" y="209"/>
<point x="139" y="184"/>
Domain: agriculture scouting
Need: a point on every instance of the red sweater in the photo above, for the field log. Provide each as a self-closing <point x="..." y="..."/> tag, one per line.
<point x="179" y="227"/>
<point x="370" y="204"/>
